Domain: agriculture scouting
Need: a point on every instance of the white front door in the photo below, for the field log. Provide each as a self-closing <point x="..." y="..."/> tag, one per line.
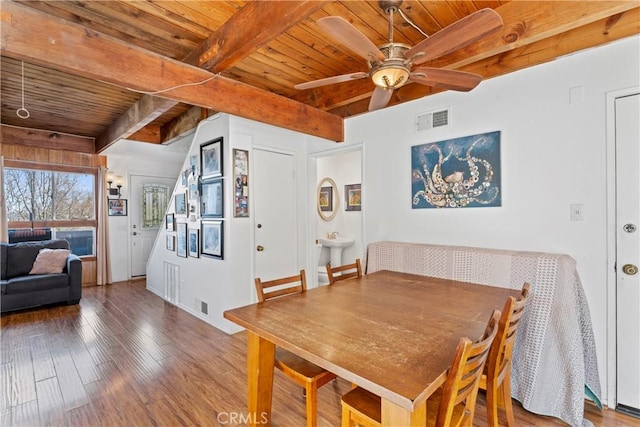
<point x="143" y="236"/>
<point x="276" y="251"/>
<point x="627" y="125"/>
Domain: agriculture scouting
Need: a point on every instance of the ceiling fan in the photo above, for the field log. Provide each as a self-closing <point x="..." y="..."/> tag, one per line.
<point x="390" y="64"/>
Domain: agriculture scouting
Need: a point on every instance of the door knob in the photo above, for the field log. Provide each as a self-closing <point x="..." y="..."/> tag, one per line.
<point x="134" y="233"/>
<point x="629" y="269"/>
<point x="260" y="248"/>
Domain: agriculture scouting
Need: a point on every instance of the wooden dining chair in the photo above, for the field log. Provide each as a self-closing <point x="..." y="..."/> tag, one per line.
<point x="496" y="379"/>
<point x="451" y="405"/>
<point x="343" y="272"/>
<point x="305" y="373"/>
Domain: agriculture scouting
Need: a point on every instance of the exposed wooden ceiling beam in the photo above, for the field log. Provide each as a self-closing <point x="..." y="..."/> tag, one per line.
<point x="528" y="22"/>
<point x="140" y="114"/>
<point x="183" y="123"/>
<point x="46" y="139"/>
<point x="150" y="133"/>
<point x="65" y="46"/>
<point x="247" y="30"/>
<point x="253" y="26"/>
<point x="524" y="23"/>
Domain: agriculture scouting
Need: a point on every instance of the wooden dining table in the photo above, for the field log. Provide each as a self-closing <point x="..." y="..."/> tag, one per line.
<point x="394" y="334"/>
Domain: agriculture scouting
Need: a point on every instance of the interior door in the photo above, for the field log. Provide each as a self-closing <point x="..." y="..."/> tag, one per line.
<point x="142" y="234"/>
<point x="276" y="251"/>
<point x="627" y="114"/>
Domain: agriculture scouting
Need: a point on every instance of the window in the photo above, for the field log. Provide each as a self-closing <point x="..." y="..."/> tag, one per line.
<point x="59" y="201"/>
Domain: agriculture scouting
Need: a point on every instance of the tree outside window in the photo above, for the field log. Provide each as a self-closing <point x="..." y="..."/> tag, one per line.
<point x="63" y="201"/>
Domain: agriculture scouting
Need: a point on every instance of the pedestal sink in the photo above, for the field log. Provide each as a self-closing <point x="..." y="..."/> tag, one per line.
<point x="336" y="245"/>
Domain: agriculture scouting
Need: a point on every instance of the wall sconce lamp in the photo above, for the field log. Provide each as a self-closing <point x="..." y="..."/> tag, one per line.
<point x="114" y="191"/>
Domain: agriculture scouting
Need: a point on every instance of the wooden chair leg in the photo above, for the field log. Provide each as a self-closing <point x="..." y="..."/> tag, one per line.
<point x="492" y="404"/>
<point x="312" y="404"/>
<point x="346" y="416"/>
<point x="508" y="404"/>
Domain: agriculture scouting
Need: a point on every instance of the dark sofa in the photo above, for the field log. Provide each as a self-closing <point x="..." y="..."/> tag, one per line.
<point x="22" y="290"/>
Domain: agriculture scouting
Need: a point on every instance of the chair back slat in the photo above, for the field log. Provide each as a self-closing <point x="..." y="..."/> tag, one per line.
<point x="343" y="272"/>
<point x="500" y="354"/>
<point x="464" y="375"/>
<point x="299" y="282"/>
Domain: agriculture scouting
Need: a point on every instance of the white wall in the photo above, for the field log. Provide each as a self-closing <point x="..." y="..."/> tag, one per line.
<point x="552" y="155"/>
<point x="228" y="283"/>
<point x="126" y="158"/>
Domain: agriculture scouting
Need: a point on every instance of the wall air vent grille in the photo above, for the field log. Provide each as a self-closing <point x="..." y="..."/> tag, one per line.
<point x="171" y="282"/>
<point x="432" y="119"/>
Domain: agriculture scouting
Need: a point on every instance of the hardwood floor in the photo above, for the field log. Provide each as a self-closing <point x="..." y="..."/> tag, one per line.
<point x="124" y="357"/>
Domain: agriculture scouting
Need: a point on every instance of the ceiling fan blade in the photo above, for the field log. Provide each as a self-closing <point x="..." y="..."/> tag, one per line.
<point x="342" y="31"/>
<point x="331" y="80"/>
<point x="460" y="34"/>
<point x="445" y="79"/>
<point x="380" y="98"/>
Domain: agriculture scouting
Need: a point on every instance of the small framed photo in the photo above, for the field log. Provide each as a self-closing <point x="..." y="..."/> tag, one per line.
<point x="194" y="243"/>
<point x="181" y="203"/>
<point x="171" y="242"/>
<point x="181" y="239"/>
<point x="240" y="183"/>
<point x="325" y="199"/>
<point x="117" y="207"/>
<point x="212" y="242"/>
<point x="170" y="222"/>
<point x="211" y="158"/>
<point x="352" y="197"/>
<point x="193" y="164"/>
<point x="211" y="198"/>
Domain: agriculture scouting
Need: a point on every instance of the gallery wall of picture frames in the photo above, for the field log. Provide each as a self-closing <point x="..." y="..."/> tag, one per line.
<point x="200" y="198"/>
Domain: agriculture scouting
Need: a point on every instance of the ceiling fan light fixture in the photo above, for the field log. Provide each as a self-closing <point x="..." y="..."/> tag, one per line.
<point x="390" y="76"/>
<point x="394" y="71"/>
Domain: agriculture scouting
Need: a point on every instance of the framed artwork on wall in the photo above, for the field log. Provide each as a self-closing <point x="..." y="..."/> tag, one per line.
<point x="211" y="198"/>
<point x="181" y="239"/>
<point x="240" y="183"/>
<point x="212" y="239"/>
<point x="170" y="222"/>
<point x="211" y="158"/>
<point x="325" y="199"/>
<point x="117" y="207"/>
<point x="171" y="242"/>
<point x="352" y="197"/>
<point x="181" y="203"/>
<point x="457" y="173"/>
<point x="194" y="242"/>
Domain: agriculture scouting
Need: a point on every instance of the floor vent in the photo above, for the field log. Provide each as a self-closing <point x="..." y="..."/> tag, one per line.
<point x="432" y="119"/>
<point x="171" y="282"/>
<point x="204" y="307"/>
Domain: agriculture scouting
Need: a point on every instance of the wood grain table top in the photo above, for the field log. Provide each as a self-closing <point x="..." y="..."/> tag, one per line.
<point x="394" y="334"/>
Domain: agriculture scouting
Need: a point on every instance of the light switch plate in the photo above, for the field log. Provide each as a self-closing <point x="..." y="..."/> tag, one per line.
<point x="577" y="212"/>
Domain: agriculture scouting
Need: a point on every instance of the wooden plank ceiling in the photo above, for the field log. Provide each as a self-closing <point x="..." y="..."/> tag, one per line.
<point x="98" y="71"/>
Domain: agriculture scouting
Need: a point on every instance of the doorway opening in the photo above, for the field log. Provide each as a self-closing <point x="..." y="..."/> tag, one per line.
<point x="337" y="208"/>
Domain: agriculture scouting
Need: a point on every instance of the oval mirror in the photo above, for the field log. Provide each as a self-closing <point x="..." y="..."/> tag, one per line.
<point x="328" y="199"/>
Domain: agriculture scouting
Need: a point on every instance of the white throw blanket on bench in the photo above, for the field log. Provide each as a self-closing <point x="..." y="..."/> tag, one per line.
<point x="554" y="357"/>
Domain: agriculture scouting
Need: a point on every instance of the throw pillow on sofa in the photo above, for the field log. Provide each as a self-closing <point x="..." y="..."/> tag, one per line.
<point x="50" y="261"/>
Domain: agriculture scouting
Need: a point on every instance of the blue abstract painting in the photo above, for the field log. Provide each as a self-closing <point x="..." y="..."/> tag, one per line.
<point x="457" y="173"/>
